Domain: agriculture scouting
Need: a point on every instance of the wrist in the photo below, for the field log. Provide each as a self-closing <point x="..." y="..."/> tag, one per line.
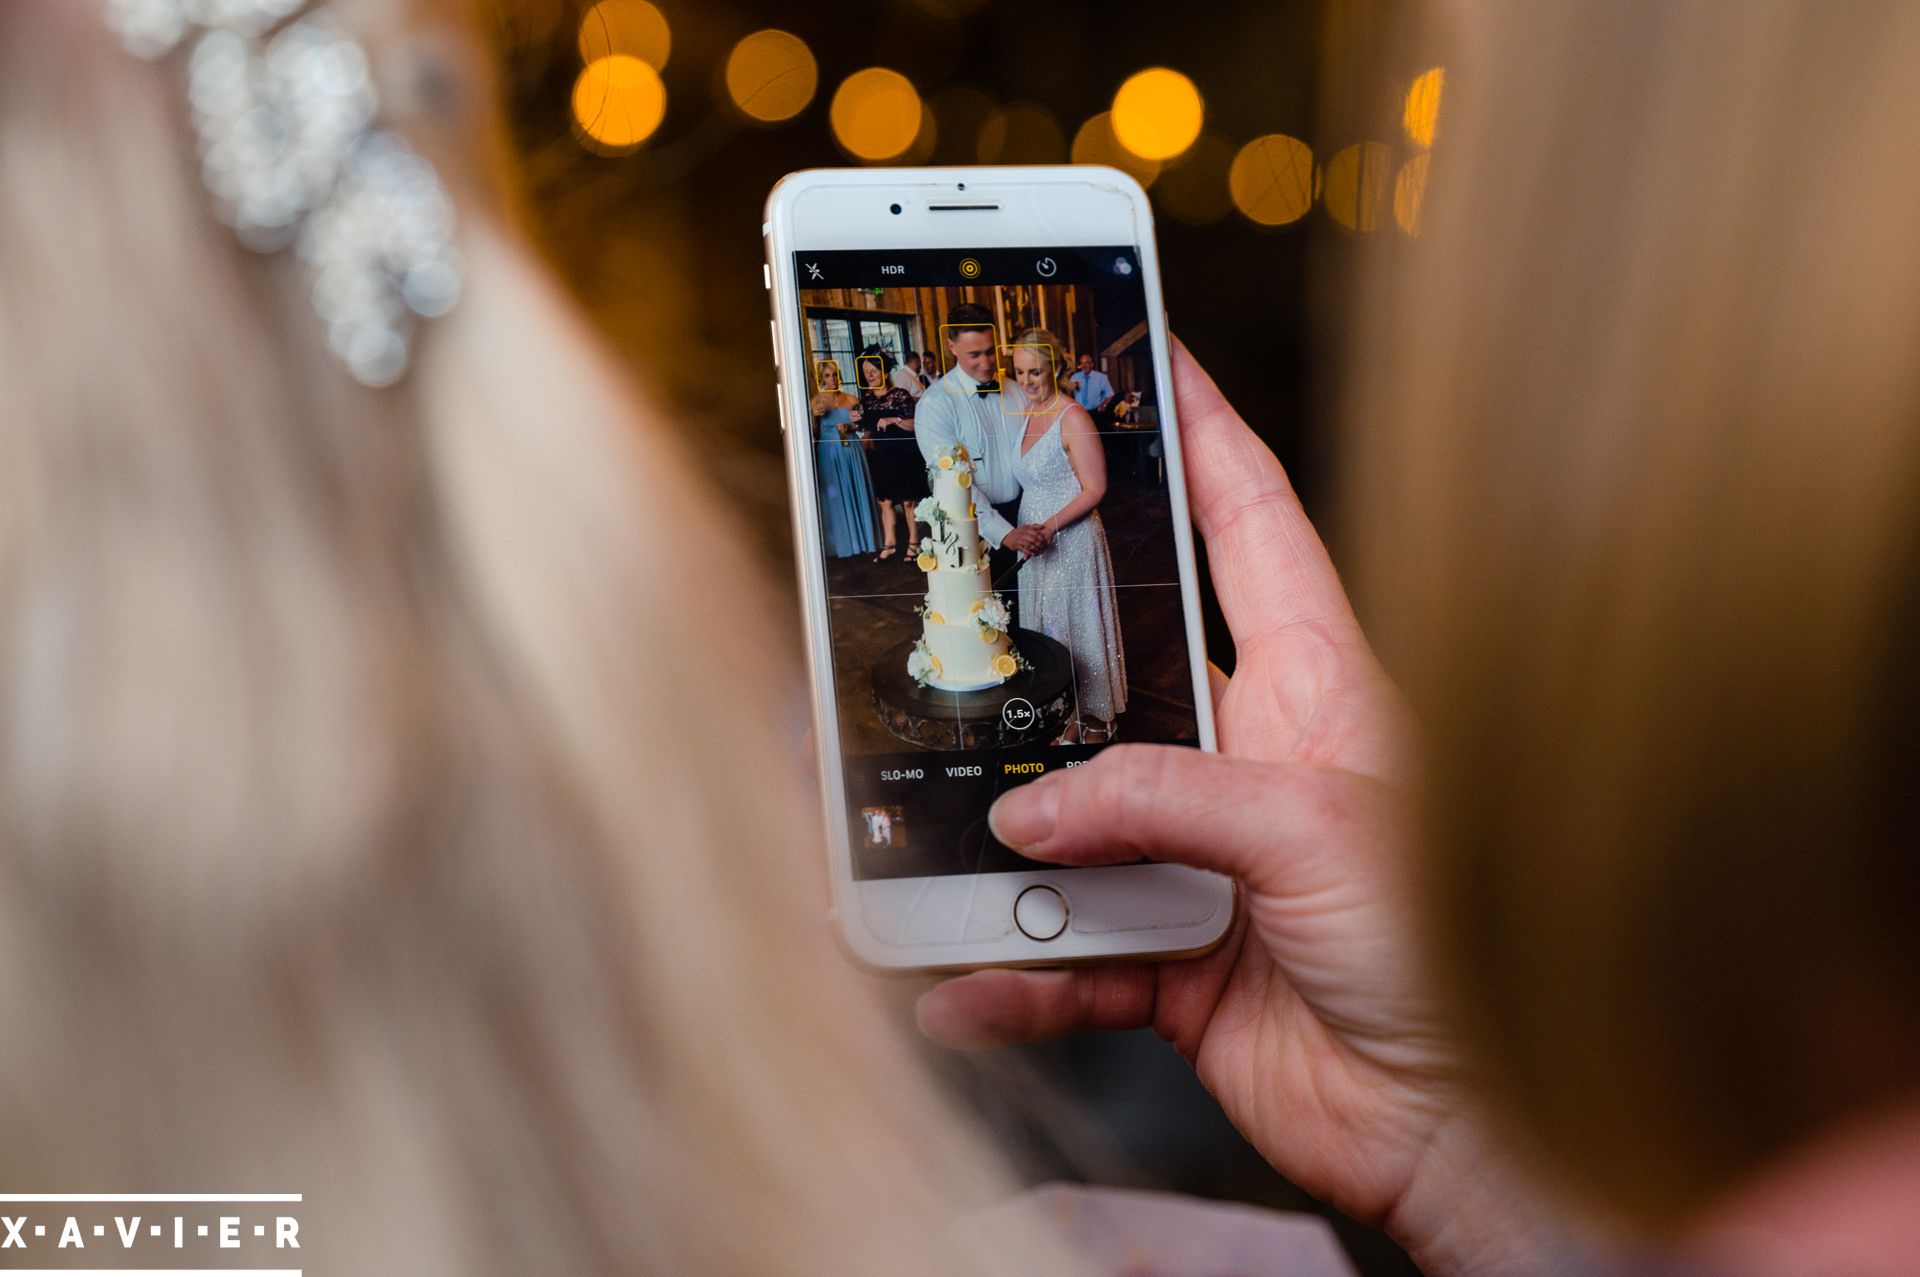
<point x="1468" y="1211"/>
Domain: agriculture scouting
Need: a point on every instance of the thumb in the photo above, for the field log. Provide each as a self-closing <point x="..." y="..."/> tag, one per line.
<point x="1264" y="823"/>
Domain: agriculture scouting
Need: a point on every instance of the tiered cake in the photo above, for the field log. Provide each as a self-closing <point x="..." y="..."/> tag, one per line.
<point x="963" y="643"/>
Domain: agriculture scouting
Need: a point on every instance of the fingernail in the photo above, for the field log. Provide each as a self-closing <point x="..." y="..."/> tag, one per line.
<point x="1026" y="815"/>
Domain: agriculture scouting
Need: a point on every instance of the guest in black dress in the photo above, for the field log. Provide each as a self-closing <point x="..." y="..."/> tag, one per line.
<point x="899" y="471"/>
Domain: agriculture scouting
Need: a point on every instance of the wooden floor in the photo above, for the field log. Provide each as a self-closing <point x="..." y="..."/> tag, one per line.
<point x="872" y="607"/>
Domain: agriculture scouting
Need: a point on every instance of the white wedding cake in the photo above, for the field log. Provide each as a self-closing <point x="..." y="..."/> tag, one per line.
<point x="963" y="643"/>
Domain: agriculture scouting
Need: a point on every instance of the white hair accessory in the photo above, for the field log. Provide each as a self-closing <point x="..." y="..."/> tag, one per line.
<point x="285" y="111"/>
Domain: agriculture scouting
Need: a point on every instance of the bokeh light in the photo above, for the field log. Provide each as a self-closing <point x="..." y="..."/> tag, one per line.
<point x="630" y="27"/>
<point x="1193" y="189"/>
<point x="1157" y="114"/>
<point x="1357" y="185"/>
<point x="1410" y="192"/>
<point x="876" y="114"/>
<point x="1021" y="133"/>
<point x="1272" y="180"/>
<point x="618" y="102"/>
<point x="924" y="142"/>
<point x="771" y="76"/>
<point x="1095" y="143"/>
<point x="1422" y="114"/>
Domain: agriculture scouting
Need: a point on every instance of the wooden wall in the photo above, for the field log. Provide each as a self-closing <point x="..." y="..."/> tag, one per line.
<point x="1015" y="306"/>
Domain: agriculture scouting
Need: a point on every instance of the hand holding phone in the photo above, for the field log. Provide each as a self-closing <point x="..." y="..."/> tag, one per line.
<point x="1311" y="1024"/>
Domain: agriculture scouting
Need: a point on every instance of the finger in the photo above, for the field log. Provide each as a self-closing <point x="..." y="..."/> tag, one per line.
<point x="995" y="1008"/>
<point x="1269" y="566"/>
<point x="1267" y="824"/>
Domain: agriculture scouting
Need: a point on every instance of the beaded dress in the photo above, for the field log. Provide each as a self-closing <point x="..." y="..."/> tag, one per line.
<point x="1068" y="592"/>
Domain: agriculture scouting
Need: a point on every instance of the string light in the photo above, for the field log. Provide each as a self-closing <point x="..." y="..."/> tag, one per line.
<point x="1272" y="180"/>
<point x="1410" y="192"/>
<point x="1157" y="114"/>
<point x="1422" y="114"/>
<point x="1357" y="184"/>
<point x="631" y="27"/>
<point x="1095" y="143"/>
<point x="876" y="114"/>
<point x="771" y="76"/>
<point x="618" y="102"/>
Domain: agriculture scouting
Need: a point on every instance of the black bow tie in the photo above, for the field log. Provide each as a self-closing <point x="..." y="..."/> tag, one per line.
<point x="987" y="388"/>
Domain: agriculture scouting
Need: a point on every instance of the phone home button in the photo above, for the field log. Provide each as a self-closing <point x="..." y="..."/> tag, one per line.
<point x="1041" y="913"/>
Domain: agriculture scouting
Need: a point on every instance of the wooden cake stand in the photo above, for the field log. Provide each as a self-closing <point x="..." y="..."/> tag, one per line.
<point x="990" y="719"/>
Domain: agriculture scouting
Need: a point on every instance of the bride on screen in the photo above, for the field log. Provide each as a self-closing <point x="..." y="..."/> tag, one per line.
<point x="1066" y="592"/>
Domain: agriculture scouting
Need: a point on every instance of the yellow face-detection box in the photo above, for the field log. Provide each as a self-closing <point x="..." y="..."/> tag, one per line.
<point x="860" y="365"/>
<point x="946" y="349"/>
<point x="1013" y="402"/>
<point x="820" y="367"/>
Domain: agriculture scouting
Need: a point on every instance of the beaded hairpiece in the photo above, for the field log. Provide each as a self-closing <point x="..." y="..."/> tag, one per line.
<point x="286" y="112"/>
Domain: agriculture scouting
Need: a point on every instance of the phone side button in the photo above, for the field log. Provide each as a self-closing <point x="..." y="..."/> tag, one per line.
<point x="780" y="393"/>
<point x="1040" y="912"/>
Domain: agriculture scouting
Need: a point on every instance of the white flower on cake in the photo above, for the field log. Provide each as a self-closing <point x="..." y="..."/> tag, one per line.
<point x="922" y="665"/>
<point x="991" y="613"/>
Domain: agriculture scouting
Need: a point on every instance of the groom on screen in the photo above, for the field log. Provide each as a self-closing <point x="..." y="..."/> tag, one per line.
<point x="965" y="407"/>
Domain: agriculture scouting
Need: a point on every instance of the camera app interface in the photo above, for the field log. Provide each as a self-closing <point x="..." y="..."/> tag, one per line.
<point x="994" y="509"/>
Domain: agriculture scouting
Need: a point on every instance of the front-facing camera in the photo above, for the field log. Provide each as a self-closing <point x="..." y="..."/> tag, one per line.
<point x="896" y="210"/>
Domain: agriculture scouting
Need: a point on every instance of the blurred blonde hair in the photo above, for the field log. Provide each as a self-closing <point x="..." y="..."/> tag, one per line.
<point x="1056" y="353"/>
<point x="390" y="808"/>
<point x="1635" y="487"/>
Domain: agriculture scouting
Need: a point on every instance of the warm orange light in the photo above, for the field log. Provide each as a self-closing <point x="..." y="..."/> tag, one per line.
<point x="924" y="142"/>
<point x="1422" y="114"/>
<point x="876" y="114"/>
<point x="1410" y="192"/>
<point x="1021" y="133"/>
<point x="632" y="27"/>
<point x="771" y="76"/>
<point x="1357" y="184"/>
<point x="618" y="102"/>
<point x="1157" y="113"/>
<point x="1096" y="144"/>
<point x="1272" y="180"/>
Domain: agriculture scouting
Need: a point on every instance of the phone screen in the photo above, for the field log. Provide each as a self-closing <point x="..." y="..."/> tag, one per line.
<point x="995" y="512"/>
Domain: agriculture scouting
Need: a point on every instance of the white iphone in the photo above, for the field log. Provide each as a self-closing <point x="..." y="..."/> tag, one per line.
<point x="996" y="563"/>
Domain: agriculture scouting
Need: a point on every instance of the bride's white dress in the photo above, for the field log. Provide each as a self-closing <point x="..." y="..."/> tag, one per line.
<point x="1067" y="593"/>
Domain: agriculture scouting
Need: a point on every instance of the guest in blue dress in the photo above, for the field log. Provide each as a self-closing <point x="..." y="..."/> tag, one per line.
<point x="840" y="469"/>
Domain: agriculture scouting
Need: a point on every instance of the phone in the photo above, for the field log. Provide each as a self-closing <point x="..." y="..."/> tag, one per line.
<point x="973" y="368"/>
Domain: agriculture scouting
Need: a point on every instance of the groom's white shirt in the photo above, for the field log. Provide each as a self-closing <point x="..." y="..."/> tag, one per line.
<point x="952" y="411"/>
